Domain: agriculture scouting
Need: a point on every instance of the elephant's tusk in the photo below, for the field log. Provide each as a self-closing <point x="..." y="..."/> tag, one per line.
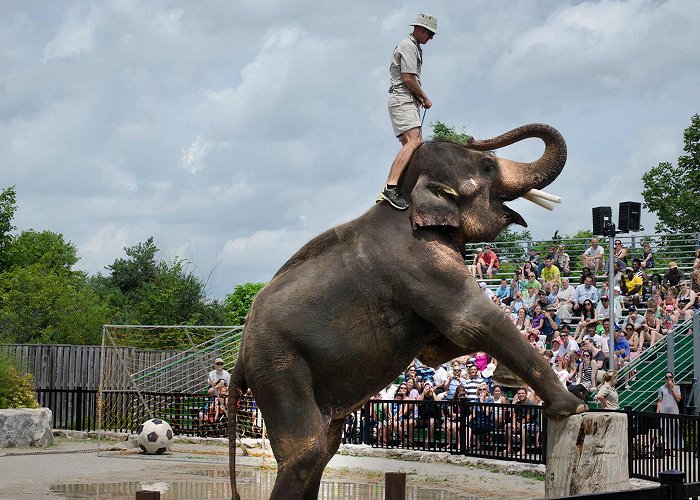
<point x="546" y="196"/>
<point x="538" y="201"/>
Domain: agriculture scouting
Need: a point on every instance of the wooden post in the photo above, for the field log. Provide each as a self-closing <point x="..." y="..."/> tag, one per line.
<point x="147" y="495"/>
<point x="395" y="486"/>
<point x="587" y="453"/>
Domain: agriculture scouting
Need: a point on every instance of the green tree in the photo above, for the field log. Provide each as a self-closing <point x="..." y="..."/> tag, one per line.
<point x="45" y="248"/>
<point x="671" y="191"/>
<point x="16" y="387"/>
<point x="8" y="206"/>
<point x="237" y="304"/>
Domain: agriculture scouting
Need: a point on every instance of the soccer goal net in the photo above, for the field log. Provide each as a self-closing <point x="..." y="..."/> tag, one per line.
<point x="162" y="372"/>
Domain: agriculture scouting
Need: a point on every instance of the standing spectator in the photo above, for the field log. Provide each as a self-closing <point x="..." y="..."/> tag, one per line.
<point x="521" y="421"/>
<point x="584" y="292"/>
<point x="472" y="383"/>
<point x="481" y="418"/>
<point x="218" y="377"/>
<point x="674" y="275"/>
<point x="669" y="397"/>
<point x="441" y="379"/>
<point x="489" y="262"/>
<point x="607" y="395"/>
<point x="593" y="257"/>
<point x="620" y="251"/>
<point x="455" y="382"/>
<point x="647" y="259"/>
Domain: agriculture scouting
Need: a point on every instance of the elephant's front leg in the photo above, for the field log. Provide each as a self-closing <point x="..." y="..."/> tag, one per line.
<point x="498" y="336"/>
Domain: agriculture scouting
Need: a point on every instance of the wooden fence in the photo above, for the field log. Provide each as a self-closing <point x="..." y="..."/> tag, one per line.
<point x="78" y="366"/>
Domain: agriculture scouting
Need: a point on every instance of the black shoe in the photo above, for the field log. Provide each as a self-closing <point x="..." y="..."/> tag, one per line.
<point x="393" y="196"/>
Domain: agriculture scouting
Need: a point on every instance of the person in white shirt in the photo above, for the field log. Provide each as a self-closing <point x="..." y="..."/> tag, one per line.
<point x="593" y="257"/>
<point x="218" y="377"/>
<point x="567" y="343"/>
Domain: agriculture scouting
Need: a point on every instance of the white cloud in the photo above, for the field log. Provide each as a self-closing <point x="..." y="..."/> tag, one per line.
<point x="193" y="157"/>
<point x="75" y="36"/>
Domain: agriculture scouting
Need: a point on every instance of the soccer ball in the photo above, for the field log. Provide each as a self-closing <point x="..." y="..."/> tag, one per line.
<point x="154" y="436"/>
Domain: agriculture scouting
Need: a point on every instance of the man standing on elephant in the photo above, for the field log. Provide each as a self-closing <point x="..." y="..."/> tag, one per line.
<point x="406" y="96"/>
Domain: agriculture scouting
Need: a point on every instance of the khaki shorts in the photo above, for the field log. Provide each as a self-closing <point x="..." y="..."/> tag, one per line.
<point x="404" y="113"/>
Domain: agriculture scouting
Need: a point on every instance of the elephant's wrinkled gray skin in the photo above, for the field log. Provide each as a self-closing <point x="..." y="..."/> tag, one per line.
<point x="356" y="304"/>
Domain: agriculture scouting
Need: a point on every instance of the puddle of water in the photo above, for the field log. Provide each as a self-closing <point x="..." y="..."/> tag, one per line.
<point x="251" y="485"/>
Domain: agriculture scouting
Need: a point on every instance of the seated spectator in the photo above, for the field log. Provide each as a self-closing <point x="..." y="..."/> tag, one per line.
<point x="503" y="291"/>
<point x="668" y="319"/>
<point x="695" y="279"/>
<point x="634" y="340"/>
<point x="522" y="322"/>
<point x="429" y="413"/>
<point x="411" y="389"/>
<point x="622" y="348"/>
<point x="620" y="251"/>
<point x="531" y="282"/>
<point x="485" y="288"/>
<point x="489" y="262"/>
<point x="499" y="413"/>
<point x="655" y="285"/>
<point x="602" y="310"/>
<point x="631" y="285"/>
<point x="650" y="331"/>
<point x="455" y="382"/>
<point x="588" y="331"/>
<point x="441" y="378"/>
<point x="647" y="258"/>
<point x="566" y="300"/>
<point x="584" y="292"/>
<point x="589" y="316"/>
<point x="533" y="339"/>
<point x="550" y="273"/>
<point x="584" y="383"/>
<point x="673" y="276"/>
<point x="475" y="267"/>
<point x="533" y="260"/>
<point x="217" y="409"/>
<point x="597" y="358"/>
<point x="562" y="260"/>
<point x="593" y="257"/>
<point x="571" y="365"/>
<point x="685" y="302"/>
<point x="553" y="297"/>
<point x="537" y="321"/>
<point x="217" y="376"/>
<point x="560" y="369"/>
<point x="567" y="344"/>
<point x="585" y="272"/>
<point x="556" y="344"/>
<point x="634" y="319"/>
<point x="552" y="322"/>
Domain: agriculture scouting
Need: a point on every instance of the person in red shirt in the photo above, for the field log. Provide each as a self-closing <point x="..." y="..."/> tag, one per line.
<point x="489" y="262"/>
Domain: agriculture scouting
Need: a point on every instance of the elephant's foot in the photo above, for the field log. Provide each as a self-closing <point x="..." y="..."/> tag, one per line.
<point x="565" y="405"/>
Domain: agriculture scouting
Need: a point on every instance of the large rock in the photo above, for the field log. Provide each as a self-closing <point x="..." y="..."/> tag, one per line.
<point x="587" y="453"/>
<point x="25" y="427"/>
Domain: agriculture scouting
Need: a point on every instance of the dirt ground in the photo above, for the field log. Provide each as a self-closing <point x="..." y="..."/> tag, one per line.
<point x="72" y="469"/>
<point x="69" y="470"/>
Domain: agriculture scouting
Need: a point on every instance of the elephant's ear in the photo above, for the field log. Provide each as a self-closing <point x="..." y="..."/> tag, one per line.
<point x="433" y="204"/>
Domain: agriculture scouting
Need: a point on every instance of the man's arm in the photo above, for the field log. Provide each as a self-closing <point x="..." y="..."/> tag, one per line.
<point x="410" y="80"/>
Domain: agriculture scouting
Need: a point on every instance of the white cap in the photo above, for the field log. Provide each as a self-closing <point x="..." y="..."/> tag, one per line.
<point x="426" y="21"/>
<point x="483" y="284"/>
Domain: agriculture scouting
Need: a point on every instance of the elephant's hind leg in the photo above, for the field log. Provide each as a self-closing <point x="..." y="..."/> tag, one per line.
<point x="303" y="440"/>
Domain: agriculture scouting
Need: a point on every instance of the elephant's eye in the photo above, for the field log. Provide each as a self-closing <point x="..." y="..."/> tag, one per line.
<point x="488" y="167"/>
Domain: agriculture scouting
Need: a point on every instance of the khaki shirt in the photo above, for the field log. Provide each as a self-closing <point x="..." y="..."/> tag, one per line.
<point x="407" y="58"/>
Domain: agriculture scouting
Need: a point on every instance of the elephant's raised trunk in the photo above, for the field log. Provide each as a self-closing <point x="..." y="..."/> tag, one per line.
<point x="518" y="178"/>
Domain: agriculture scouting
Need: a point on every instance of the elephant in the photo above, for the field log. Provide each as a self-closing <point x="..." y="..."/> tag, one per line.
<point x="355" y="305"/>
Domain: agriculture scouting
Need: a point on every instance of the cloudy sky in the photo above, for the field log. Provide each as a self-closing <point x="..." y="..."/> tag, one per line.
<point x="234" y="131"/>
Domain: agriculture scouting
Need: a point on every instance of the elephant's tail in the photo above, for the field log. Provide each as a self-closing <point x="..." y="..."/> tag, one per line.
<point x="237" y="389"/>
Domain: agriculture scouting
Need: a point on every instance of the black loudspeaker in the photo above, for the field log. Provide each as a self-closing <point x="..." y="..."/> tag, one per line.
<point x="602" y="216"/>
<point x="629" y="216"/>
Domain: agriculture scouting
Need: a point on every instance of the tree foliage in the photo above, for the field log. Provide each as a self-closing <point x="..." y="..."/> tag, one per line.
<point x="238" y="303"/>
<point x="445" y="132"/>
<point x="16" y="388"/>
<point x="671" y="192"/>
<point x="8" y="206"/>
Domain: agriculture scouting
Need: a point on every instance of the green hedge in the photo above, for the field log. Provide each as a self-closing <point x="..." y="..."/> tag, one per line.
<point x="16" y="388"/>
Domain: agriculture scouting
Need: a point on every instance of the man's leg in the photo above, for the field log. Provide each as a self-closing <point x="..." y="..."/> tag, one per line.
<point x="410" y="141"/>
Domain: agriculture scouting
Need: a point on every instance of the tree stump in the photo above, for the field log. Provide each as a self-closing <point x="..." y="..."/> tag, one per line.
<point x="587" y="453"/>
